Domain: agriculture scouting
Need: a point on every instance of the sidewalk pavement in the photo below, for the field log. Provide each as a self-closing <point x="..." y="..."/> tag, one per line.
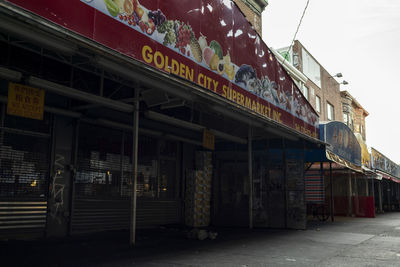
<point x="346" y="242"/>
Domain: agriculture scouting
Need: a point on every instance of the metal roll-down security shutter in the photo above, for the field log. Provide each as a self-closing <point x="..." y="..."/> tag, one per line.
<point x="97" y="203"/>
<point x="24" y="174"/>
<point x="102" y="184"/>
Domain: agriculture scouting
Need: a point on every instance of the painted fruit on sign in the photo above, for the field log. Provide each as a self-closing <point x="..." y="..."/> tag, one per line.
<point x="207" y="55"/>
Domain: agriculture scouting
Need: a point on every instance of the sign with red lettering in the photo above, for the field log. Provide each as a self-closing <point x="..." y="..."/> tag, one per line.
<point x="208" y="42"/>
<point x="25" y="101"/>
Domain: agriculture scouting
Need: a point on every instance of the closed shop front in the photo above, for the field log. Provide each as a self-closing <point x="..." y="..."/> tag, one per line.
<point x="102" y="186"/>
<point x="146" y="123"/>
<point x="24" y="175"/>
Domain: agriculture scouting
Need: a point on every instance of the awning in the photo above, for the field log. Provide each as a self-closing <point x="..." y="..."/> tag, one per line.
<point x="345" y="163"/>
<point x="384" y="165"/>
<point x="113" y="57"/>
<point x="387" y="176"/>
<point x="342" y="147"/>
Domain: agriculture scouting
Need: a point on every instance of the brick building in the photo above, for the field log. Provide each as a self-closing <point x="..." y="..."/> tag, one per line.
<point x="321" y="89"/>
<point x="252" y="9"/>
<point x="353" y="114"/>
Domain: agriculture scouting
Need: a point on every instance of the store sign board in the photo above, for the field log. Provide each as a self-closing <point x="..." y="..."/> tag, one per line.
<point x="342" y="141"/>
<point x="382" y="163"/>
<point x="25" y="101"/>
<point x="208" y="42"/>
<point x="208" y="139"/>
<point x="365" y="158"/>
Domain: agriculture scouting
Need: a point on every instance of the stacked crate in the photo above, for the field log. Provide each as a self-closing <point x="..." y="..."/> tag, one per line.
<point x="198" y="192"/>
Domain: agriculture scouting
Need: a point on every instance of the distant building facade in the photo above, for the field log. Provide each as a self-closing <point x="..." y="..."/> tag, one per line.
<point x="252" y="10"/>
<point x="353" y="114"/>
<point x="321" y="89"/>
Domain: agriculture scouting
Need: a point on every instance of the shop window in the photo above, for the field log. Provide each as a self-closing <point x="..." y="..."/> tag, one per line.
<point x="99" y="162"/>
<point x="167" y="179"/>
<point x="105" y="165"/>
<point x="147" y="179"/>
<point x="318" y="104"/>
<point x="147" y="176"/>
<point x="24" y="157"/>
<point x="23" y="165"/>
<point x="330" y="111"/>
<point x="156" y="169"/>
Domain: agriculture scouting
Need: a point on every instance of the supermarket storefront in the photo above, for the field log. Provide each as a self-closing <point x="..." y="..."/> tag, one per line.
<point x="196" y="125"/>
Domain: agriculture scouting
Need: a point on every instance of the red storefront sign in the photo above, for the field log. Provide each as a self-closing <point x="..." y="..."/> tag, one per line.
<point x="208" y="42"/>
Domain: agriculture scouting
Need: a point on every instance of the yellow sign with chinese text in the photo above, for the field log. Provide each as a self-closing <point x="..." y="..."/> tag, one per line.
<point x="25" y="101"/>
<point x="208" y="139"/>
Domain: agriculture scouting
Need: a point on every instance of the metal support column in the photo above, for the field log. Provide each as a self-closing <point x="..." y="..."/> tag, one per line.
<point x="389" y="193"/>
<point x="250" y="159"/>
<point x="73" y="177"/>
<point x="373" y="190"/>
<point x="380" y="195"/>
<point x="356" y="194"/>
<point x="285" y="181"/>
<point x="350" y="209"/>
<point x="135" y="133"/>
<point x="331" y="178"/>
<point x="366" y="187"/>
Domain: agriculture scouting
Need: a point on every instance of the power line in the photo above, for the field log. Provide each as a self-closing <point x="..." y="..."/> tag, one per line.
<point x="298" y="27"/>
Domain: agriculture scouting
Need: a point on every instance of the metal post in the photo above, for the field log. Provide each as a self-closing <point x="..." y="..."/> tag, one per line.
<point x="373" y="190"/>
<point x="134" y="167"/>
<point x="250" y="159"/>
<point x="389" y="193"/>
<point x="331" y="178"/>
<point x="366" y="187"/>
<point x="285" y="181"/>
<point x="121" y="167"/>
<point x="356" y="186"/>
<point x="73" y="176"/>
<point x="380" y="195"/>
<point x="350" y="211"/>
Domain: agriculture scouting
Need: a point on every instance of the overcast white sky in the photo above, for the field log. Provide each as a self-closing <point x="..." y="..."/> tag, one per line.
<point x="360" y="39"/>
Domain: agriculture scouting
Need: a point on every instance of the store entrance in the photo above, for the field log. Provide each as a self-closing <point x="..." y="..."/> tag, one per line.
<point x="24" y="175"/>
<point x="231" y="188"/>
<point x="102" y="185"/>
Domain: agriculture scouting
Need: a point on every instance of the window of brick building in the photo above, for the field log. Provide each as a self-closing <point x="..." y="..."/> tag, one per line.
<point x="318" y="104"/>
<point x="330" y="111"/>
<point x="306" y="93"/>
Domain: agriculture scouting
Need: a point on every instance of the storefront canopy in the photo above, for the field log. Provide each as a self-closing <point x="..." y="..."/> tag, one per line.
<point x="193" y="50"/>
<point x="342" y="146"/>
<point x="384" y="166"/>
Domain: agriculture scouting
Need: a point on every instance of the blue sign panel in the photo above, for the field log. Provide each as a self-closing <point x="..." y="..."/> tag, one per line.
<point x="341" y="140"/>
